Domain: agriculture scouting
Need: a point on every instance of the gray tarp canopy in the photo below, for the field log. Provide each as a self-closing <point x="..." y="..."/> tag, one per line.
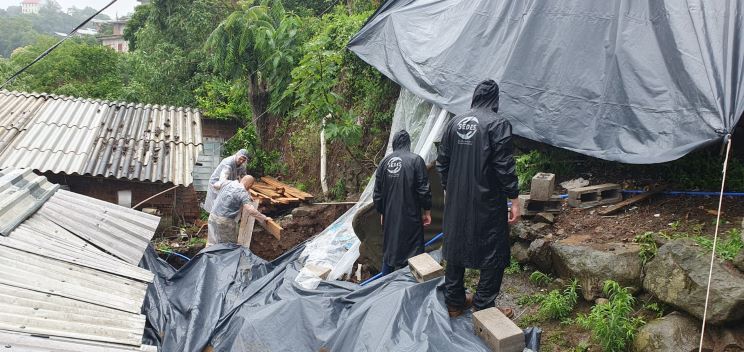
<point x="637" y="81"/>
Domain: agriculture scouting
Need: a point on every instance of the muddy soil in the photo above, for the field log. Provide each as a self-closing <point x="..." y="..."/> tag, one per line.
<point x="694" y="215"/>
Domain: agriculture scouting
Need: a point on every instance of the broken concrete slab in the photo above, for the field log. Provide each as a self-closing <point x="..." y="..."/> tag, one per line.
<point x="498" y="331"/>
<point x="424" y="267"/>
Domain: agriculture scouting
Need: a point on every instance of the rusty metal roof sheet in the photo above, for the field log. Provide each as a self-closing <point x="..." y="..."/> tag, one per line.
<point x="21" y="193"/>
<point x="99" y="138"/>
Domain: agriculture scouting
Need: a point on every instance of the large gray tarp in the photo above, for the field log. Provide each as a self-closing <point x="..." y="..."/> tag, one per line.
<point x="637" y="81"/>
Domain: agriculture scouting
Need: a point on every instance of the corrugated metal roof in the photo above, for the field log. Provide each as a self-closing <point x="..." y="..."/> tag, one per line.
<point x="121" y="231"/>
<point x="99" y="138"/>
<point x="21" y="193"/>
<point x="56" y="283"/>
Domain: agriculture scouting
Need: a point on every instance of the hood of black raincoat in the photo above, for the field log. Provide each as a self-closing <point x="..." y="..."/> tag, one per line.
<point x="402" y="140"/>
<point x="486" y="95"/>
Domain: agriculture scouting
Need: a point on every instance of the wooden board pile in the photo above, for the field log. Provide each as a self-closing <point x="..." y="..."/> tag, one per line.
<point x="269" y="191"/>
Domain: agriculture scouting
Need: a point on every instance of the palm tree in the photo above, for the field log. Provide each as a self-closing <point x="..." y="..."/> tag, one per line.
<point x="257" y="45"/>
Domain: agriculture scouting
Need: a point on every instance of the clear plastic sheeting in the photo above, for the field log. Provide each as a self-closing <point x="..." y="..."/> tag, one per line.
<point x="337" y="246"/>
<point x="635" y="81"/>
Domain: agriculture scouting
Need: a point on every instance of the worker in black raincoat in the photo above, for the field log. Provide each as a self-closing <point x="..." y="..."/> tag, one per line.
<point x="477" y="167"/>
<point x="401" y="192"/>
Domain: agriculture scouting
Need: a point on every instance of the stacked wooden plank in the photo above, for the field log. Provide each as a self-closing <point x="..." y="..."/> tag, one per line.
<point x="270" y="191"/>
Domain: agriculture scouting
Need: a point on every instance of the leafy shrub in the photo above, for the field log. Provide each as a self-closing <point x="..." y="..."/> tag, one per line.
<point x="338" y="191"/>
<point x="262" y="162"/>
<point x="529" y="164"/>
<point x="612" y="324"/>
<point x="556" y="304"/>
<point x="648" y="246"/>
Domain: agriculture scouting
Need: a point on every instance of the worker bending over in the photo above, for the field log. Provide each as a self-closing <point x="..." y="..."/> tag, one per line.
<point x="224" y="219"/>
<point x="476" y="162"/>
<point x="231" y="168"/>
<point x="401" y="192"/>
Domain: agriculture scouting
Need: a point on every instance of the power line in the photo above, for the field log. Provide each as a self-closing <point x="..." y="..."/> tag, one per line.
<point x="46" y="52"/>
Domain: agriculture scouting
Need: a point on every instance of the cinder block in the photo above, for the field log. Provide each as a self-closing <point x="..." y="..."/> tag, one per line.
<point x="424" y="267"/>
<point x="531" y="207"/>
<point x="498" y="331"/>
<point x="542" y="187"/>
<point x="592" y="196"/>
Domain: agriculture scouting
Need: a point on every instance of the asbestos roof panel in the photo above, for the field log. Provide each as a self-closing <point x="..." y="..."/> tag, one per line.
<point x="21" y="193"/>
<point x="99" y="138"/>
<point x="55" y="281"/>
<point x="123" y="232"/>
<point x="37" y="313"/>
<point x="17" y="342"/>
<point x="37" y="273"/>
<point x="41" y="236"/>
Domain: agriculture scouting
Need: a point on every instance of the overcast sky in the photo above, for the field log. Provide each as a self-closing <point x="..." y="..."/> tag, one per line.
<point x="120" y="7"/>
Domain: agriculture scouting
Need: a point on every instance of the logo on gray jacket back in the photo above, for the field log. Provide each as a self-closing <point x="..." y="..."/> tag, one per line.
<point x="394" y="165"/>
<point x="467" y="128"/>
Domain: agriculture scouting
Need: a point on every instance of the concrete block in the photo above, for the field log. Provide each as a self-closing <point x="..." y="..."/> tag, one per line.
<point x="531" y="207"/>
<point x="542" y="187"/>
<point x="592" y="196"/>
<point x="319" y="271"/>
<point x="498" y="331"/>
<point x="424" y="267"/>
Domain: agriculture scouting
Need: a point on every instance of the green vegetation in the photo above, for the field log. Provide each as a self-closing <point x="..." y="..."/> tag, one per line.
<point x="539" y="278"/>
<point x="728" y="246"/>
<point x="513" y="267"/>
<point x="648" y="246"/>
<point x="555" y="305"/>
<point x="612" y="324"/>
<point x="552" y="160"/>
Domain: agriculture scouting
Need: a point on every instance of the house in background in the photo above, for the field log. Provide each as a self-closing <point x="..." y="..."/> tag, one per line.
<point x="118" y="152"/>
<point x="116" y="40"/>
<point x="30" y="6"/>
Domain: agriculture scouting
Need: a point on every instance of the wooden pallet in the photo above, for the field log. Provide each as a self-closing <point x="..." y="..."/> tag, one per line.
<point x="272" y="192"/>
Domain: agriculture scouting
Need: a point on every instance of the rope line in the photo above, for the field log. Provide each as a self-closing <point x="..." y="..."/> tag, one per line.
<point x="715" y="240"/>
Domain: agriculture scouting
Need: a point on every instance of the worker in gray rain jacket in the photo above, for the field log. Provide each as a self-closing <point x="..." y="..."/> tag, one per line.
<point x="224" y="219"/>
<point x="231" y="168"/>
<point x="401" y="193"/>
<point x="476" y="163"/>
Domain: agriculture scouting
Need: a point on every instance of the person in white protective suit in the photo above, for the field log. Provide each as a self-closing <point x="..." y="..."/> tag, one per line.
<point x="224" y="220"/>
<point x="231" y="168"/>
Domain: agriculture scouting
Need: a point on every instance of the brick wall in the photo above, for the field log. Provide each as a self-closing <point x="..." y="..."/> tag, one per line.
<point x="219" y="128"/>
<point x="182" y="199"/>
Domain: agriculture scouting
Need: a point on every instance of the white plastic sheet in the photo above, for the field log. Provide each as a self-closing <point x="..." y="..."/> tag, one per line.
<point x="337" y="246"/>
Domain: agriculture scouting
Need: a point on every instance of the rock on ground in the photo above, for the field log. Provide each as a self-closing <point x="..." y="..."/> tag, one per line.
<point x="540" y="255"/>
<point x="519" y="252"/>
<point x="678" y="332"/>
<point x="678" y="276"/>
<point x="739" y="261"/>
<point x="592" y="266"/>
